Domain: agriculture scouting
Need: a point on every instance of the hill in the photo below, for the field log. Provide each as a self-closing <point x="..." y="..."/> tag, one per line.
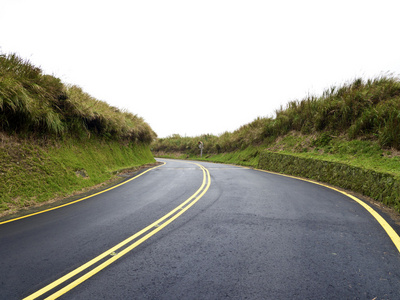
<point x="55" y="139"/>
<point x="365" y="110"/>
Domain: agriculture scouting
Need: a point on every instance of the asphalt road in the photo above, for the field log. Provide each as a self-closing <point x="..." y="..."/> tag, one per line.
<point x="236" y="233"/>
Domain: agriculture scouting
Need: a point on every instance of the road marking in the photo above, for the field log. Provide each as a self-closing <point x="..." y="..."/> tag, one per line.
<point x="385" y="225"/>
<point x="153" y="228"/>
<point x="81" y="199"/>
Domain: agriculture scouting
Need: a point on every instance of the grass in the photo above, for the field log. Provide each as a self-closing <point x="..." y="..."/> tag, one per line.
<point x="35" y="103"/>
<point x="32" y="173"/>
<point x="363" y="109"/>
<point x="360" y="153"/>
<point x="246" y="157"/>
<point x="380" y="186"/>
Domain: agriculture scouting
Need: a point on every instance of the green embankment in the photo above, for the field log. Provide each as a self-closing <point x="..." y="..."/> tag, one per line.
<point x="381" y="186"/>
<point x="31" y="173"/>
<point x="56" y="140"/>
<point x="348" y="137"/>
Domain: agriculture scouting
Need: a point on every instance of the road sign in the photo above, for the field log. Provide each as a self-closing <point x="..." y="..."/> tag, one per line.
<point x="201" y="146"/>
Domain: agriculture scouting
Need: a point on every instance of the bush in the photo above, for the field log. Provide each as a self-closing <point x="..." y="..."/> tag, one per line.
<point x="34" y="103"/>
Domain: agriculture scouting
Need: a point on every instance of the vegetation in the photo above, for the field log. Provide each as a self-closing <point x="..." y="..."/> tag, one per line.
<point x="34" y="103"/>
<point x="381" y="186"/>
<point x="368" y="110"/>
<point x="33" y="173"/>
<point x="55" y="139"/>
<point x="357" y="124"/>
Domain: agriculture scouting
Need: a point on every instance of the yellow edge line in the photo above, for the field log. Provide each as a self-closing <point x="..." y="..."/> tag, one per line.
<point x="79" y="200"/>
<point x="385" y="225"/>
<point x="126" y="241"/>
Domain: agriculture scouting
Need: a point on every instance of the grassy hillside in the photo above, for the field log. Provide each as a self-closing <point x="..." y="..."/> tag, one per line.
<point x="366" y="110"/>
<point x="34" y="103"/>
<point x="55" y="139"/>
<point x="357" y="124"/>
<point x="33" y="173"/>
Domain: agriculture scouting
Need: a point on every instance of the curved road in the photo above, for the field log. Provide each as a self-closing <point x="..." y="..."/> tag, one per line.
<point x="192" y="230"/>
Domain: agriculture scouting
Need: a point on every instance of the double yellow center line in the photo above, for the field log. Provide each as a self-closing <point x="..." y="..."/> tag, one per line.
<point x="108" y="257"/>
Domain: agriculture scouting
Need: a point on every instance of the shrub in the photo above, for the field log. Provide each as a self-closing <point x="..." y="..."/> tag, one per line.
<point x="35" y="103"/>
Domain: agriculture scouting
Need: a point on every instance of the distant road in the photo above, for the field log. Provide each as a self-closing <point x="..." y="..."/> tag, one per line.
<point x="196" y="230"/>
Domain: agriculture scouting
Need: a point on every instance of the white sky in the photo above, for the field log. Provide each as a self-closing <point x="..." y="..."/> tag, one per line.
<point x="205" y="66"/>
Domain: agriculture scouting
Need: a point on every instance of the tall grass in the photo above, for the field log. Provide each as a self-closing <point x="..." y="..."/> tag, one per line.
<point x="26" y="95"/>
<point x="34" y="103"/>
<point x="367" y="109"/>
